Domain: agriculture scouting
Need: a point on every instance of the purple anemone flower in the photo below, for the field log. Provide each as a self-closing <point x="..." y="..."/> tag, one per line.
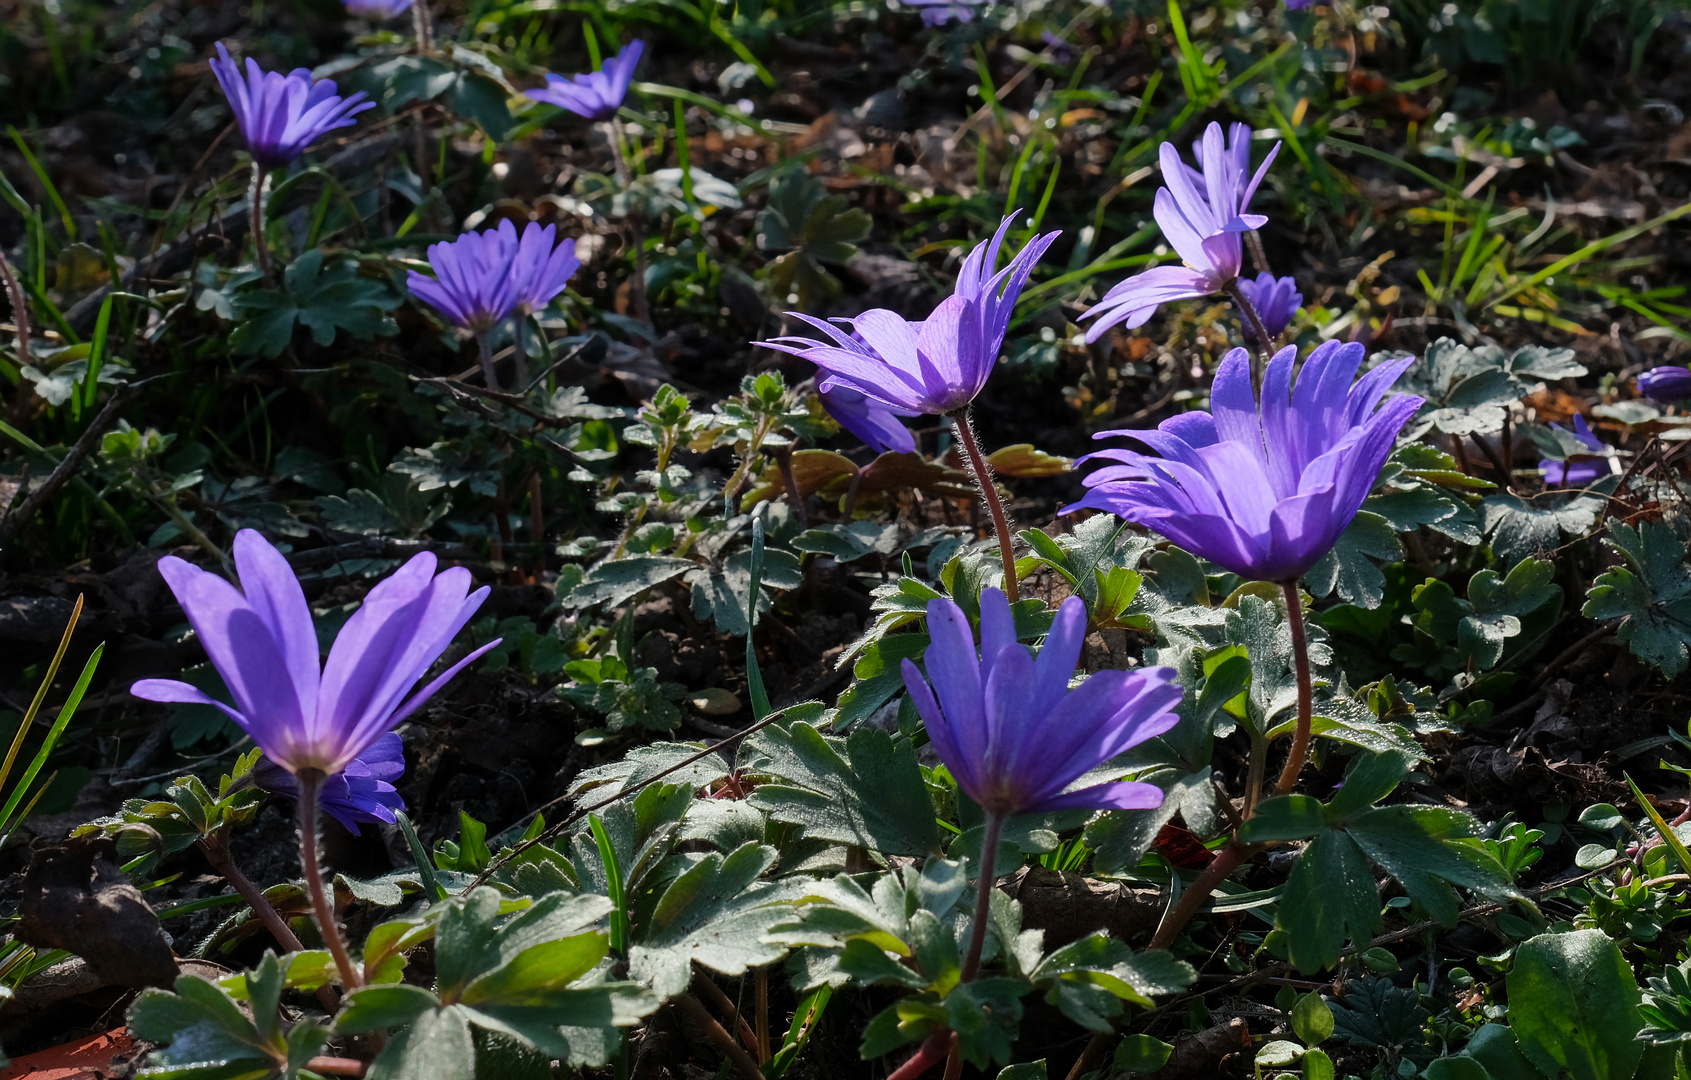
<point x="541" y="270"/>
<point x="1666" y="383"/>
<point x="474" y="283"/>
<point x="876" y="424"/>
<point x="1276" y="300"/>
<point x="280" y="115"/>
<point x="1263" y="492"/>
<point x="597" y="95"/>
<point x="362" y="794"/>
<point x="377" y="11"/>
<point x="1008" y="727"/>
<point x="1202" y="215"/>
<point x="938" y="365"/>
<point x="1577" y="470"/>
<point x="940" y="12"/>
<point x="1295" y="5"/>
<point x="261" y="640"/>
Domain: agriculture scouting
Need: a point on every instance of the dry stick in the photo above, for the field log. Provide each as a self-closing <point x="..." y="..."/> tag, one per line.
<point x="983" y="476"/>
<point x="336" y="1066"/>
<point x="72" y="460"/>
<point x="732" y="1050"/>
<point x="1306" y="690"/>
<point x="20" y="313"/>
<point x="583" y="811"/>
<point x="310" y="783"/>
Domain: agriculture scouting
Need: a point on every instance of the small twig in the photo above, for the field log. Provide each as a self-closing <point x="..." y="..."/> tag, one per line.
<point x="20" y="313"/>
<point x="732" y="1050"/>
<point x="1568" y="654"/>
<point x="72" y="460"/>
<point x="583" y="811"/>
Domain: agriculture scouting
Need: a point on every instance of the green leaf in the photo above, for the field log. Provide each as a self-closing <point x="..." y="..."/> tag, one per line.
<point x="986" y="1015"/>
<point x="324" y="301"/>
<point x="615" y="582"/>
<point x="1653" y="595"/>
<point x="1519" y="529"/>
<point x="723" y="593"/>
<point x="865" y="790"/>
<point x="716" y="914"/>
<point x="1142" y="1054"/>
<point x="1329" y="899"/>
<point x="1347" y="569"/>
<point x="1285" y="817"/>
<point x="1460" y="1067"/>
<point x="1499" y="603"/>
<point x="1312" y="1019"/>
<point x="438" y="1043"/>
<point x="380" y="1008"/>
<point x="869" y="964"/>
<point x="1573" y="1006"/>
<point x="536" y="975"/>
<point x="1376" y="1013"/>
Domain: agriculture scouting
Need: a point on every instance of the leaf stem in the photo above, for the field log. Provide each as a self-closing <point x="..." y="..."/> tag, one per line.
<point x="733" y="1051"/>
<point x="310" y="784"/>
<point x="983" y="477"/>
<point x="1306" y="689"/>
<point x="1225" y="862"/>
<point x="934" y="1049"/>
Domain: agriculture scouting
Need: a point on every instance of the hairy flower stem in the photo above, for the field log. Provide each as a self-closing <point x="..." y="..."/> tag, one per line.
<point x="519" y="351"/>
<point x="425" y="32"/>
<point x="484" y="350"/>
<point x="934" y="1049"/>
<point x="215" y="847"/>
<point x="1259" y="257"/>
<point x="310" y="784"/>
<point x="1225" y="862"/>
<point x="1306" y="690"/>
<point x="983" y="901"/>
<point x="255" y="218"/>
<point x="1264" y="342"/>
<point x="983" y="477"/>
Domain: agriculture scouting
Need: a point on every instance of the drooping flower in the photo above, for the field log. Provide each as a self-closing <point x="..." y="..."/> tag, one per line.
<point x="1667" y="383"/>
<point x="261" y="641"/>
<point x="597" y="95"/>
<point x="935" y="366"/>
<point x="362" y="794"/>
<point x="1009" y="728"/>
<point x="474" y="284"/>
<point x="1276" y="300"/>
<point x="1201" y="214"/>
<point x="1577" y="470"/>
<point x="870" y="420"/>
<point x="377" y="11"/>
<point x="1263" y="492"/>
<point x="280" y="115"/>
<point x="541" y="270"/>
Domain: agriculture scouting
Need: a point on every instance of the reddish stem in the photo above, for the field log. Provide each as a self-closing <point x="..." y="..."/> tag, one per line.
<point x="1306" y="690"/>
<point x="934" y="1049"/>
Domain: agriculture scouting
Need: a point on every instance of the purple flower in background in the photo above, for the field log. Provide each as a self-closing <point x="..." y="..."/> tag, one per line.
<point x="1008" y="727"/>
<point x="1061" y="51"/>
<point x="935" y="366"/>
<point x="876" y="424"/>
<point x="1201" y="214"/>
<point x="541" y="270"/>
<point x="474" y="284"/>
<point x="1296" y="5"/>
<point x="1276" y="300"/>
<point x="280" y="115"/>
<point x="1666" y="383"/>
<point x="940" y="12"/>
<point x="376" y="11"/>
<point x="260" y="638"/>
<point x="1577" y="470"/>
<point x="1263" y="492"/>
<point x="363" y="793"/>
<point x="597" y="95"/>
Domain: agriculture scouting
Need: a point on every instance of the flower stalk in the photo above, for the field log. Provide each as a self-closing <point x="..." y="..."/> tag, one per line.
<point x="310" y="784"/>
<point x="1306" y="689"/>
<point x="1263" y="342"/>
<point x="484" y="352"/>
<point x="255" y="217"/>
<point x="983" y="477"/>
<point x="983" y="901"/>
